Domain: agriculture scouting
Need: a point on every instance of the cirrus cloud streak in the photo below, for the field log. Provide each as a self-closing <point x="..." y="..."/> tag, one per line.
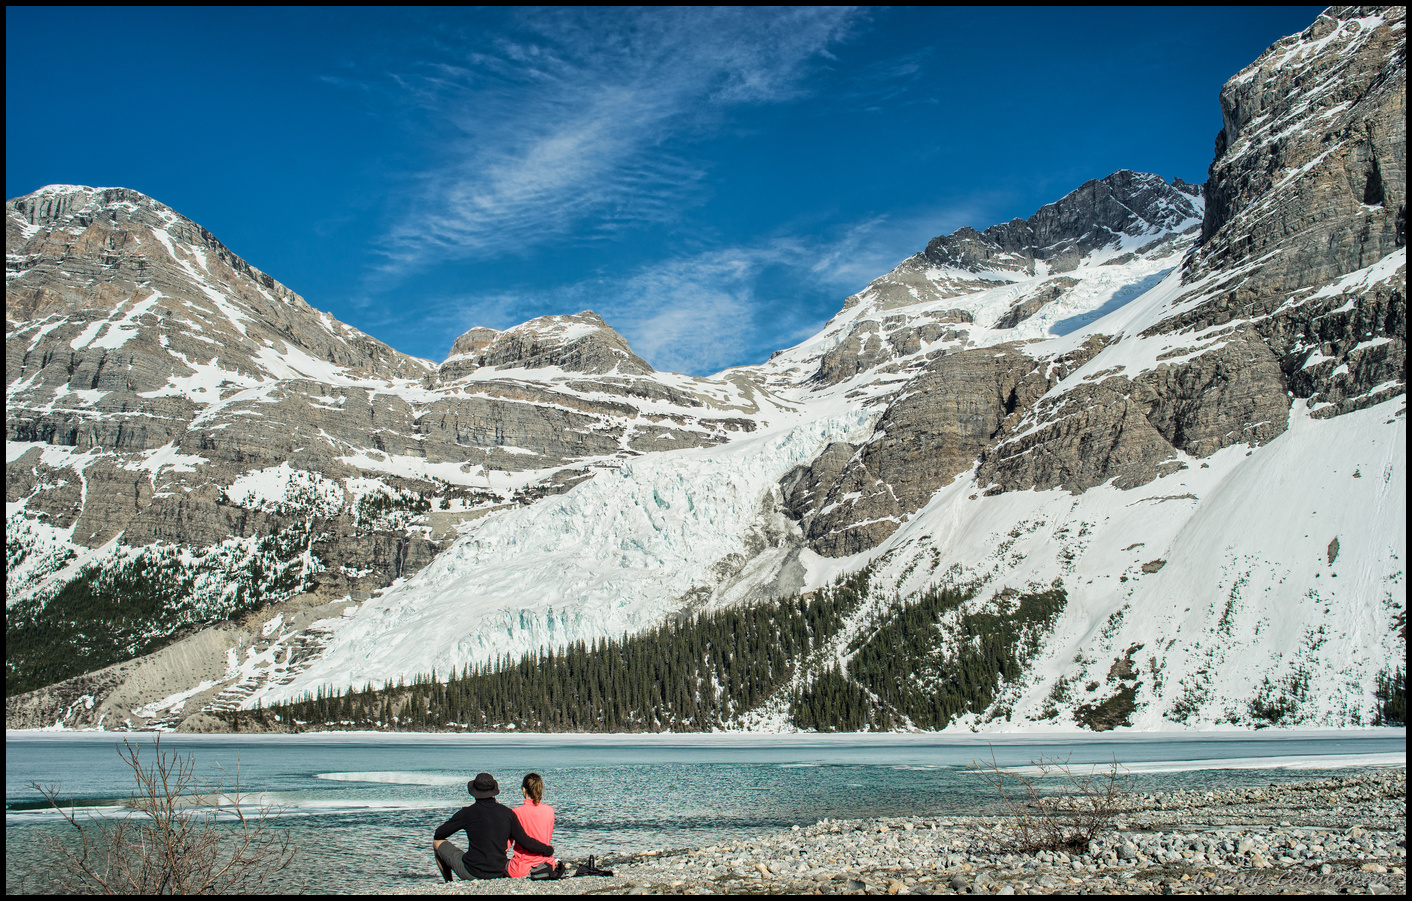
<point x="583" y="124"/>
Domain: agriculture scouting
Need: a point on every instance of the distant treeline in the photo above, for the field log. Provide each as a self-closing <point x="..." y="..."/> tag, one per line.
<point x="1391" y="694"/>
<point x="923" y="663"/>
<point x="123" y="607"/>
<point x="694" y="675"/>
<point x="929" y="662"/>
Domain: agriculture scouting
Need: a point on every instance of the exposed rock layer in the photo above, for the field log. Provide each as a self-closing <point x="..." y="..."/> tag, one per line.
<point x="150" y="371"/>
<point x="1307" y="191"/>
<point x="155" y="380"/>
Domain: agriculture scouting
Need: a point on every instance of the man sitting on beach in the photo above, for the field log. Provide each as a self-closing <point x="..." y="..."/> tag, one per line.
<point x="489" y="827"/>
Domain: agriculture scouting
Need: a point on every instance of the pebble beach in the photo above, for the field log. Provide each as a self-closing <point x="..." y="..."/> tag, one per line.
<point x="1344" y="835"/>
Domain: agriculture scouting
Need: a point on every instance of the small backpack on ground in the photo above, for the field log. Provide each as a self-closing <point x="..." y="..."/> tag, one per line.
<point x="545" y="871"/>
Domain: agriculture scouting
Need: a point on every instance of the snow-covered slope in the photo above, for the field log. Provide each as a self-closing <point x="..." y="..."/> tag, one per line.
<point x="680" y="530"/>
<point x="1278" y="570"/>
<point x="188" y="441"/>
<point x="1222" y="574"/>
<point x="663" y="534"/>
<point x="1191" y="418"/>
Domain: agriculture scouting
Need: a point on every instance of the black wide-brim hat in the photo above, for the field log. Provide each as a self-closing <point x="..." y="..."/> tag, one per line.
<point x="483" y="786"/>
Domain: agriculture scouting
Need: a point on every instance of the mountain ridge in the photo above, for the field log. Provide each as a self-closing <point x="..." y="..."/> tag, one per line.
<point x="1114" y="411"/>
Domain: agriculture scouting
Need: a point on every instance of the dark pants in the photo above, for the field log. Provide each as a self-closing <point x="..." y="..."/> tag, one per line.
<point x="449" y="854"/>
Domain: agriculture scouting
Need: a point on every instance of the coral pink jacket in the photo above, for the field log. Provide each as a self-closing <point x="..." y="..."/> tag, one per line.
<point x="538" y="822"/>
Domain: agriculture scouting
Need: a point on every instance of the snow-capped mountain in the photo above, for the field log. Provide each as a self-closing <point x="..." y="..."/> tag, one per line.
<point x="183" y="428"/>
<point x="1185" y="406"/>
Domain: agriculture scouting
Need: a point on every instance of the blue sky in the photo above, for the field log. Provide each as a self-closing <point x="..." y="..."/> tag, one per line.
<point x="713" y="182"/>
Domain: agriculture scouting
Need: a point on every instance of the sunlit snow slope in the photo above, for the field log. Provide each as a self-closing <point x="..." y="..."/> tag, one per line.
<point x="683" y="530"/>
<point x="1216" y="575"/>
<point x="671" y="532"/>
<point x="1183" y="405"/>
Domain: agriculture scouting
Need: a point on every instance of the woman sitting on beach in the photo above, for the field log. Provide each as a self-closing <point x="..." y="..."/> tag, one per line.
<point x="537" y="819"/>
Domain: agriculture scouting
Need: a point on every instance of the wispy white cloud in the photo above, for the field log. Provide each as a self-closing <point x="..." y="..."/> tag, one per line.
<point x="702" y="312"/>
<point x="879" y="86"/>
<point x="693" y="314"/>
<point x="865" y="250"/>
<point x="579" y="123"/>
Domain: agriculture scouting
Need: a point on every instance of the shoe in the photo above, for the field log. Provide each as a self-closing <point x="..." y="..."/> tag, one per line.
<point x="559" y="869"/>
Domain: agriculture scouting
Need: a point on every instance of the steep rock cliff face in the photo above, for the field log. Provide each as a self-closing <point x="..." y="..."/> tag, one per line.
<point x="1296" y="291"/>
<point x="1307" y="204"/>
<point x="1324" y="110"/>
<point x="931" y="433"/>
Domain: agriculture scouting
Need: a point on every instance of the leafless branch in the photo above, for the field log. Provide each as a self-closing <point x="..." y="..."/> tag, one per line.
<point x="1068" y="820"/>
<point x="177" y="835"/>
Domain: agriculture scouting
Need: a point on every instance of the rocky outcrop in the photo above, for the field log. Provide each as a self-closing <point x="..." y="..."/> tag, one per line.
<point x="1312" y="159"/>
<point x="1347" y="356"/>
<point x="806" y="488"/>
<point x="1309" y="186"/>
<point x="1124" y="430"/>
<point x="1096" y="215"/>
<point x="1052" y="291"/>
<point x="943" y="420"/>
<point x="579" y="343"/>
<point x="932" y="432"/>
<point x="870" y="343"/>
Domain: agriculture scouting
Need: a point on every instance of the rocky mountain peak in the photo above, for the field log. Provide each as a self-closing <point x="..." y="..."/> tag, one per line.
<point x="1025" y="279"/>
<point x="1098" y="214"/>
<point x="173" y="411"/>
<point x="1318" y="119"/>
<point x="1185" y="446"/>
<point x="110" y="228"/>
<point x="581" y="342"/>
<point x="151" y="282"/>
<point x="60" y="203"/>
<point x="1107" y="220"/>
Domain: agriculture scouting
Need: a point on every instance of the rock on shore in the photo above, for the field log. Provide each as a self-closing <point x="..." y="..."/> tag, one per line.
<point x="1345" y="835"/>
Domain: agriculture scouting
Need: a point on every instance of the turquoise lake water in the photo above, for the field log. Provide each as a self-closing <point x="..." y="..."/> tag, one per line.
<point x="362" y="807"/>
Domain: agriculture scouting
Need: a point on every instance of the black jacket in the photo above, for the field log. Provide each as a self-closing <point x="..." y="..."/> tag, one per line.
<point x="489" y="827"/>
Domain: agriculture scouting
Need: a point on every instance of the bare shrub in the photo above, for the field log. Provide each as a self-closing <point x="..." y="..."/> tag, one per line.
<point x="1063" y="820"/>
<point x="179" y="836"/>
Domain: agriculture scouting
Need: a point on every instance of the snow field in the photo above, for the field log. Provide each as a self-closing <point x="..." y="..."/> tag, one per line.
<point x="1274" y="569"/>
<point x="617" y="553"/>
<point x="1246" y="588"/>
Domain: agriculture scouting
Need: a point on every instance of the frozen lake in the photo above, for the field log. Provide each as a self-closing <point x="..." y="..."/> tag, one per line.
<point x="363" y="806"/>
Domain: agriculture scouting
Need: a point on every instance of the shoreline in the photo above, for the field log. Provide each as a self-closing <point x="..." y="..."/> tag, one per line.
<point x="960" y="735"/>
<point x="1344" y="835"/>
<point x="952" y="745"/>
